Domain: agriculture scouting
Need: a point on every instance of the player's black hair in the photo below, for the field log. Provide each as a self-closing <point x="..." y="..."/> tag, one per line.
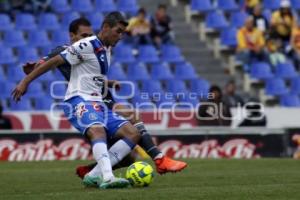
<point x="142" y="11"/>
<point x="113" y="18"/>
<point x="74" y="26"/>
<point x="162" y="6"/>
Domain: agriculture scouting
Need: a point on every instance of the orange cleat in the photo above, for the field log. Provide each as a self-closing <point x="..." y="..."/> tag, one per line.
<point x="166" y="164"/>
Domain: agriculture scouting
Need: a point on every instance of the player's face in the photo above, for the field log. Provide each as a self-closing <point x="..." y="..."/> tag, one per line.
<point x="82" y="32"/>
<point x="115" y="34"/>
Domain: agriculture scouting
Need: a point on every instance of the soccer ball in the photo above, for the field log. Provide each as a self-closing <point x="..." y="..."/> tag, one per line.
<point x="140" y="174"/>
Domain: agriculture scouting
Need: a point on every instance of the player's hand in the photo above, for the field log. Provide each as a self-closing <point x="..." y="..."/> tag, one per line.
<point x="116" y="85"/>
<point x="19" y="91"/>
<point x="28" y="67"/>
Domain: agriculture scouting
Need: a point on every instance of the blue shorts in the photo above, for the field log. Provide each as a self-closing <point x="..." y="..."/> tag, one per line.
<point x="83" y="114"/>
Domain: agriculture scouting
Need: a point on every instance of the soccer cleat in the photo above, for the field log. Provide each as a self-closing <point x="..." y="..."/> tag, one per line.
<point x="166" y="164"/>
<point x="81" y="171"/>
<point x="114" y="183"/>
<point x="89" y="181"/>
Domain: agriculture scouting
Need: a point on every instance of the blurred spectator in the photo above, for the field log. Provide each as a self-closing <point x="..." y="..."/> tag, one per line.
<point x="214" y="112"/>
<point x="161" y="31"/>
<point x="251" y="43"/>
<point x="4" y="121"/>
<point x="295" y="44"/>
<point x="260" y="21"/>
<point x="231" y="99"/>
<point x="255" y="115"/>
<point x="4" y="6"/>
<point x="275" y="55"/>
<point x="250" y="4"/>
<point x="139" y="28"/>
<point x="282" y="22"/>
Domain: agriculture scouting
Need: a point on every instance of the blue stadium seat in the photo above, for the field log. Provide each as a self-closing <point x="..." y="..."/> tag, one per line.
<point x="275" y="87"/>
<point x="96" y="19"/>
<point x="116" y="72"/>
<point x="238" y="18"/>
<point x="25" y="21"/>
<point x="47" y="77"/>
<point x="7" y="56"/>
<point x="38" y="38"/>
<point x="105" y="6"/>
<point x="142" y="103"/>
<point x="82" y="6"/>
<point x="161" y="71"/>
<point x="152" y="87"/>
<point x="176" y="86"/>
<point x="5" y="23"/>
<point x="15" y="73"/>
<point x="128" y="6"/>
<point x="14" y="38"/>
<point x="27" y="54"/>
<point x="295" y="4"/>
<point x="285" y="70"/>
<point x="187" y="101"/>
<point x="43" y="103"/>
<point x="137" y="71"/>
<point x="57" y="90"/>
<point x="68" y="18"/>
<point x="295" y="85"/>
<point x="171" y="53"/>
<point x="164" y="101"/>
<point x="60" y="6"/>
<point x="35" y="89"/>
<point x="228" y="37"/>
<point x="48" y="21"/>
<point x="128" y="90"/>
<point x="267" y="14"/>
<point x="290" y="100"/>
<point x="60" y="37"/>
<point x="271" y="4"/>
<point x="6" y="89"/>
<point x="23" y="105"/>
<point x="148" y="54"/>
<point x="216" y="20"/>
<point x="227" y="5"/>
<point x="45" y="50"/>
<point x="201" y="5"/>
<point x="185" y="71"/>
<point x="123" y="54"/>
<point x="260" y="70"/>
<point x="199" y="87"/>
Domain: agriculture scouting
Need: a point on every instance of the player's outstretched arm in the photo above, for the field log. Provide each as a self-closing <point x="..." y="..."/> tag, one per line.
<point x="22" y="86"/>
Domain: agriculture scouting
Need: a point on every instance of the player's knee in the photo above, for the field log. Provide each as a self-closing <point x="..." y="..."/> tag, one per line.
<point x="132" y="134"/>
<point x="96" y="132"/>
<point x="135" y="117"/>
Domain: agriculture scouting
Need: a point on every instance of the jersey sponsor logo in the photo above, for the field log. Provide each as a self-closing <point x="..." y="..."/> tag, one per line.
<point x="99" y="49"/>
<point x="93" y="116"/>
<point x="74" y="52"/>
<point x="96" y="106"/>
<point x="80" y="110"/>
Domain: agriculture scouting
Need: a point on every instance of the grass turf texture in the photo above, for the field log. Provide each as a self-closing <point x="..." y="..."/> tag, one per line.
<point x="203" y="179"/>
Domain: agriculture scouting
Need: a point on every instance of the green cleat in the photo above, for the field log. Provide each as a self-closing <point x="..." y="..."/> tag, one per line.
<point x="115" y="183"/>
<point x="89" y="181"/>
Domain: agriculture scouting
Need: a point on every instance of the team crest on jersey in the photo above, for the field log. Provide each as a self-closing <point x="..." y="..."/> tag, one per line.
<point x="96" y="107"/>
<point x="80" y="110"/>
<point x="74" y="52"/>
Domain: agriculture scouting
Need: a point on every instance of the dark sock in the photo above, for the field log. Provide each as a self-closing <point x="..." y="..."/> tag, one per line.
<point x="146" y="141"/>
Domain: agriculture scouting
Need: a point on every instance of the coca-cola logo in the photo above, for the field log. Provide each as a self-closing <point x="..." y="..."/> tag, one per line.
<point x="70" y="149"/>
<point x="235" y="148"/>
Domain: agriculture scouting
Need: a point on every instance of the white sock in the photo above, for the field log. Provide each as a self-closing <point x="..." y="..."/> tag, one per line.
<point x="103" y="168"/>
<point x="119" y="150"/>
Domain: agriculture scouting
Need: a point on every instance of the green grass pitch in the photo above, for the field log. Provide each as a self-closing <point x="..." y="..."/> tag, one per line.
<point x="203" y="179"/>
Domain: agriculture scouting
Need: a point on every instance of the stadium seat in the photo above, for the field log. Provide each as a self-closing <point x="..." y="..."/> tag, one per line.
<point x="82" y="6"/>
<point x="57" y="90"/>
<point x="201" y="5"/>
<point x="152" y="87"/>
<point x="137" y="71"/>
<point x="161" y="71"/>
<point x="35" y="89"/>
<point x="148" y="54"/>
<point x="228" y="37"/>
<point x="271" y="4"/>
<point x="216" y="20"/>
<point x="268" y="14"/>
<point x="14" y="38"/>
<point x="43" y="103"/>
<point x="142" y="103"/>
<point x="187" y="101"/>
<point x="290" y="100"/>
<point x="128" y="6"/>
<point x="238" y="18"/>
<point x="128" y="90"/>
<point x="27" y="54"/>
<point x="227" y="5"/>
<point x="60" y="6"/>
<point x="295" y="4"/>
<point x="116" y="72"/>
<point x="48" y="21"/>
<point x="123" y="54"/>
<point x="7" y="56"/>
<point x="68" y="18"/>
<point x="47" y="77"/>
<point x="185" y="71"/>
<point x="15" y="73"/>
<point x="176" y="87"/>
<point x="199" y="87"/>
<point x="295" y="85"/>
<point x="285" y="70"/>
<point x="5" y="23"/>
<point x="45" y="50"/>
<point x="96" y="19"/>
<point x="23" y="105"/>
<point x="260" y="70"/>
<point x="25" y="21"/>
<point x="275" y="87"/>
<point x="171" y="53"/>
<point x="6" y="89"/>
<point x="105" y="6"/>
<point x="163" y="101"/>
<point x="60" y="37"/>
<point x="38" y="38"/>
